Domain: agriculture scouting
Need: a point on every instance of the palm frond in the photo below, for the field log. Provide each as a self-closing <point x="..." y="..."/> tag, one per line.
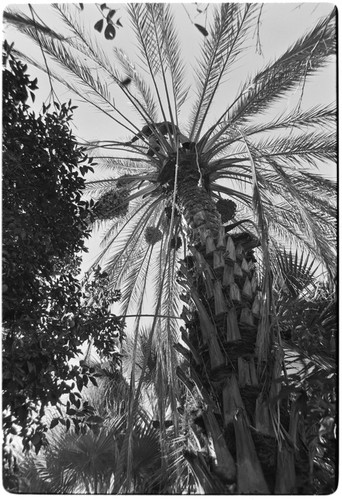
<point x="323" y="116"/>
<point x="172" y="53"/>
<point x="229" y="31"/>
<point x="141" y="86"/>
<point x="307" y="146"/>
<point x="286" y="227"/>
<point x="307" y="55"/>
<point x="89" y="47"/>
<point x="22" y="22"/>
<point x="143" y="26"/>
<point x="297" y="270"/>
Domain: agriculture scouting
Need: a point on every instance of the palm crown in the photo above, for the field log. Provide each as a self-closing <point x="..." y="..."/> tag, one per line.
<point x="172" y="175"/>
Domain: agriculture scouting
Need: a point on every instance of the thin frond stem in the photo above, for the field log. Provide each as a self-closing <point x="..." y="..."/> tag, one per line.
<point x="53" y="93"/>
<point x="140" y="84"/>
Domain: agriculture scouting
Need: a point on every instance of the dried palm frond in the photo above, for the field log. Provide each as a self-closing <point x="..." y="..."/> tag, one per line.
<point x="233" y="332"/>
<point x="225" y="465"/>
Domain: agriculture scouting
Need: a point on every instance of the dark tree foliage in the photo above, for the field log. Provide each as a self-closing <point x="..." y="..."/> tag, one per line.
<point x="47" y="316"/>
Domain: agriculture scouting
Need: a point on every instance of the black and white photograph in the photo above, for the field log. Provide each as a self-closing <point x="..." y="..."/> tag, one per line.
<point x="169" y="248"/>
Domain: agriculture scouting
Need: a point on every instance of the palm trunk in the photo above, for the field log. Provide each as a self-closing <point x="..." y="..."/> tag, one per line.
<point x="198" y="207"/>
<point x="223" y="334"/>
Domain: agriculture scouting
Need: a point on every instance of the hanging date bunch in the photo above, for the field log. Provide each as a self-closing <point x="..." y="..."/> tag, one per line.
<point x="153" y="235"/>
<point x="108" y="22"/>
<point x="112" y="204"/>
<point x="227" y="209"/>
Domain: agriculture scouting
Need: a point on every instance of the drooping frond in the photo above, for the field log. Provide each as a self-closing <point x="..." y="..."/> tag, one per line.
<point x="229" y="31"/>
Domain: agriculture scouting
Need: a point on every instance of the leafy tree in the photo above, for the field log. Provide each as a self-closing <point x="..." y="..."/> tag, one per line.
<point x="226" y="196"/>
<point x="46" y="314"/>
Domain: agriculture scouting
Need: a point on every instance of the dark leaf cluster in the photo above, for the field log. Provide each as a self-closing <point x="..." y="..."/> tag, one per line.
<point x="46" y="313"/>
<point x="107" y="21"/>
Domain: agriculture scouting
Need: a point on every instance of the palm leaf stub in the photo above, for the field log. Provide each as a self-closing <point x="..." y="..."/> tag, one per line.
<point x="249" y="472"/>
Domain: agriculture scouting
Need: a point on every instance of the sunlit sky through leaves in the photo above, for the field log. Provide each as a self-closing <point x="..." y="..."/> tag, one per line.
<point x="281" y="24"/>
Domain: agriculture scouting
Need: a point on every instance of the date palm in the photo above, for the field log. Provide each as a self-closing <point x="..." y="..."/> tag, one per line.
<point x="200" y="209"/>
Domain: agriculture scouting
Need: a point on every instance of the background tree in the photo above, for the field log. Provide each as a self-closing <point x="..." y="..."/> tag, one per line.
<point x="169" y="205"/>
<point x="46" y="314"/>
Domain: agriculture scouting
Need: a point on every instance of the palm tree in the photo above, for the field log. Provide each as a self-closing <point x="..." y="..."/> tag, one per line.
<point x="200" y="210"/>
<point x="87" y="462"/>
<point x="307" y="319"/>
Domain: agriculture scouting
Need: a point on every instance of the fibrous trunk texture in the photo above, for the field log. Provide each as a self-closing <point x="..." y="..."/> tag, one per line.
<point x="222" y="314"/>
<point x="199" y="209"/>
